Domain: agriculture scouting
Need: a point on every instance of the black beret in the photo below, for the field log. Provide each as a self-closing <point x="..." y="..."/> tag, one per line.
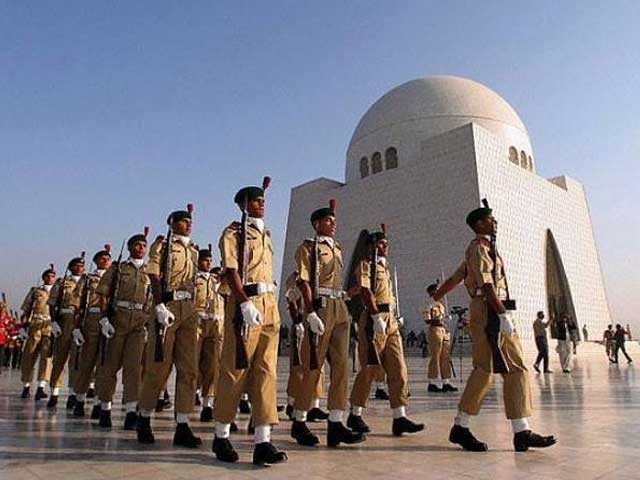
<point x="375" y="237"/>
<point x="204" y="253"/>
<point x="432" y="288"/>
<point x="106" y="251"/>
<point x="321" y="213"/>
<point x="248" y="193"/>
<point x="177" y="216"/>
<point x="75" y="261"/>
<point x="477" y="214"/>
<point x="138" y="237"/>
<point x="216" y="270"/>
<point x="47" y="272"/>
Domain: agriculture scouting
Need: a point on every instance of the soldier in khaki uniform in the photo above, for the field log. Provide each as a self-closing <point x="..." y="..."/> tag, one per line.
<point x="379" y="312"/>
<point x="210" y="308"/>
<point x="296" y="372"/>
<point x="251" y="331"/>
<point x="125" y="288"/>
<point x="439" y="344"/>
<point x="86" y="334"/>
<point x="36" y="331"/>
<point x="483" y="274"/>
<point x="319" y="264"/>
<point x="176" y="315"/>
<point x="64" y="301"/>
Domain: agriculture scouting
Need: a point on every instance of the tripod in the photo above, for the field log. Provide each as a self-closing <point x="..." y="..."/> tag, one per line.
<point x="458" y="336"/>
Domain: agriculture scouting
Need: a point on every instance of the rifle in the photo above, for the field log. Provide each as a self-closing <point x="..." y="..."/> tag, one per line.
<point x="373" y="358"/>
<point x="82" y="313"/>
<point x="295" y="311"/>
<point x="317" y="302"/>
<point x="492" y="329"/>
<point x="113" y="299"/>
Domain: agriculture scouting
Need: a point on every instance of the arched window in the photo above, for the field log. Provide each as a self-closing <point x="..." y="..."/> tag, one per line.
<point x="523" y="159"/>
<point x="391" y="158"/>
<point x="530" y="164"/>
<point x="513" y="155"/>
<point x="376" y="163"/>
<point x="364" y="167"/>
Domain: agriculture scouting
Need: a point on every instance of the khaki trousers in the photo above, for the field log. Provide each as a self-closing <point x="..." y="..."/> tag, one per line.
<point x="124" y="351"/>
<point x="37" y="345"/>
<point x="259" y="380"/>
<point x="516" y="389"/>
<point x="180" y="342"/>
<point x="439" y="364"/>
<point x="295" y="382"/>
<point x="88" y="354"/>
<point x="61" y="350"/>
<point x="210" y="336"/>
<point x="389" y="347"/>
<point x="333" y="346"/>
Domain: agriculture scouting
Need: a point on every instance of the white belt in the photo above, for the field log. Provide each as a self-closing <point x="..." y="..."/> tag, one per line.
<point x="210" y="316"/>
<point x="182" y="295"/>
<point x="94" y="310"/>
<point x="68" y="310"/>
<point x="263" y="287"/>
<point x="40" y="316"/>
<point x="330" y="292"/>
<point x="129" y="305"/>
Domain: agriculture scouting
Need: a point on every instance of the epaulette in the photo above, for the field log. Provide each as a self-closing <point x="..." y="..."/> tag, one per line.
<point x="481" y="241"/>
<point x="235" y="226"/>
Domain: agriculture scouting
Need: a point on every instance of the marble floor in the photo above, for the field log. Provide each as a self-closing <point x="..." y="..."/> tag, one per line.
<point x="593" y="411"/>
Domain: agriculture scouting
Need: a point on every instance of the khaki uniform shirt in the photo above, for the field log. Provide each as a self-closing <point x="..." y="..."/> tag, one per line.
<point x="434" y="313"/>
<point x="259" y="248"/>
<point x="477" y="268"/>
<point x="71" y="292"/>
<point x="330" y="264"/>
<point x="183" y="264"/>
<point x="208" y="300"/>
<point x="384" y="290"/>
<point x="36" y="302"/>
<point x="95" y="299"/>
<point x="540" y="328"/>
<point x="133" y="284"/>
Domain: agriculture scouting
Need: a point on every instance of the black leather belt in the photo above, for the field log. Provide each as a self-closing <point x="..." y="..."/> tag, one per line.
<point x="383" y="307"/>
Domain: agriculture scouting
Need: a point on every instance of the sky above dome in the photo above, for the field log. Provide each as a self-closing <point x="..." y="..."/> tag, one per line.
<point x="114" y="115"/>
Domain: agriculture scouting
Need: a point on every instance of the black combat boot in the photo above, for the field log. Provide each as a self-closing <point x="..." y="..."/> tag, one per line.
<point x="447" y="387"/>
<point x="71" y="402"/>
<point x="337" y="433"/>
<point x="251" y="428"/>
<point x="463" y="437"/>
<point x="26" y="393"/>
<point x="184" y="437"/>
<point x="78" y="409"/>
<point x="206" y="415"/>
<point x="266" y="453"/>
<point x="53" y="401"/>
<point x="95" y="412"/>
<point x="381" y="394"/>
<point x="40" y="395"/>
<point x="316" y="415"/>
<point x="245" y="407"/>
<point x="224" y="450"/>
<point x="289" y="412"/>
<point x="357" y="424"/>
<point x="143" y="429"/>
<point x="301" y="433"/>
<point x="434" y="388"/>
<point x="130" y="421"/>
<point x="105" y="419"/>
<point x="404" y="425"/>
<point x="523" y="441"/>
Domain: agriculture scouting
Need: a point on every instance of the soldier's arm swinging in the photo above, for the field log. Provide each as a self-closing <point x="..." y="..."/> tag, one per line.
<point x="307" y="295"/>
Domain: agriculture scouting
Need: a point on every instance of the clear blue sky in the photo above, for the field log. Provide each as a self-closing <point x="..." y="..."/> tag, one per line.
<point x="113" y="114"/>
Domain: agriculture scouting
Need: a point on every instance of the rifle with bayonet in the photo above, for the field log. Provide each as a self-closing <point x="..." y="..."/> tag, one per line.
<point x="114" y="289"/>
<point x="373" y="358"/>
<point x="492" y="329"/>
<point x="318" y="303"/>
<point x="81" y="315"/>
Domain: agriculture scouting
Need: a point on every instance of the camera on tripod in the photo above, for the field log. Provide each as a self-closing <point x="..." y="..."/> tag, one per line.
<point x="459" y="311"/>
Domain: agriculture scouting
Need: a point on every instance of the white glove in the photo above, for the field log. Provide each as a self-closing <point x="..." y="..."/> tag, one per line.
<point x="251" y="316"/>
<point x="106" y="328"/>
<point x="379" y="323"/>
<point x="299" y="329"/>
<point x="23" y="334"/>
<point x="78" y="338"/>
<point x="56" y="329"/>
<point x="164" y="315"/>
<point x="506" y="324"/>
<point x="315" y="323"/>
<point x="400" y="321"/>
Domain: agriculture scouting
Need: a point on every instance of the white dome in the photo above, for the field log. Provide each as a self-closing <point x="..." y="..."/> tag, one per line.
<point x="425" y="107"/>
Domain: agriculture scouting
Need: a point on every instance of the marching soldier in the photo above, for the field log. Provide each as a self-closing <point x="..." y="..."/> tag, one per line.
<point x="64" y="301"/>
<point x="86" y="335"/>
<point x="439" y="344"/>
<point x="36" y="330"/>
<point x="251" y="331"/>
<point x="174" y="335"/>
<point x="319" y="264"/>
<point x="496" y="346"/>
<point x="296" y="373"/>
<point x="125" y="288"/>
<point x="210" y="308"/>
<point x="379" y="340"/>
